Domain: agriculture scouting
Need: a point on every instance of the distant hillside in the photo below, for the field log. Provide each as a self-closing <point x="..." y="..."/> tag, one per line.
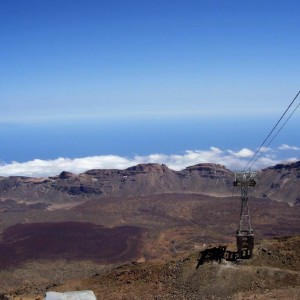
<point x="281" y="182"/>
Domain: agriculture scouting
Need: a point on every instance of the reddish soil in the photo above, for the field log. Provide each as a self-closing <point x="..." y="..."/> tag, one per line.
<point x="69" y="240"/>
<point x="272" y="273"/>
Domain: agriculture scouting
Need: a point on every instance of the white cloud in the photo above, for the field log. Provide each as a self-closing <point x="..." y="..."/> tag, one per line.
<point x="287" y="147"/>
<point x="44" y="168"/>
<point x="242" y="153"/>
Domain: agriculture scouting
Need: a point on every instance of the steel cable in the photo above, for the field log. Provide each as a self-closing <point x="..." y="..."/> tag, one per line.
<point x="258" y="151"/>
<point x="265" y="149"/>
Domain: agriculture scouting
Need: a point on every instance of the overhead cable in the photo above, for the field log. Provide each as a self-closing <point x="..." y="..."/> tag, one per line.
<point x="273" y="138"/>
<point x="258" y="152"/>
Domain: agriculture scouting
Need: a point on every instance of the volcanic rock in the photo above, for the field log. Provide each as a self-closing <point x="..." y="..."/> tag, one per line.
<point x="281" y="182"/>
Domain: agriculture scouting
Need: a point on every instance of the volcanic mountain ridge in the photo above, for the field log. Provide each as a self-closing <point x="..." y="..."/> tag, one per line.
<point x="280" y="182"/>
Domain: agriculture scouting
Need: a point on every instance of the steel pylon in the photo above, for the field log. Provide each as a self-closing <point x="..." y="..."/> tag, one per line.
<point x="244" y="234"/>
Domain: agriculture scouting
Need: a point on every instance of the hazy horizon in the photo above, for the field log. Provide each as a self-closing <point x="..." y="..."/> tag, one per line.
<point x="151" y="79"/>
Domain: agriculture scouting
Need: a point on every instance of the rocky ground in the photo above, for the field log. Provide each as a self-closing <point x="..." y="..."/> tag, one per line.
<point x="171" y="216"/>
<point x="273" y="273"/>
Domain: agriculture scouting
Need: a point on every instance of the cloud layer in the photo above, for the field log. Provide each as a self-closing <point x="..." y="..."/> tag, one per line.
<point x="287" y="147"/>
<point x="234" y="160"/>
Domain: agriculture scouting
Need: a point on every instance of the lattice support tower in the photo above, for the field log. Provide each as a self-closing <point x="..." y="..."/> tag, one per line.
<point x="244" y="234"/>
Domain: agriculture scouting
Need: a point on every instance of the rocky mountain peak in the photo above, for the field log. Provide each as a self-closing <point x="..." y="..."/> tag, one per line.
<point x="208" y="167"/>
<point x="66" y="175"/>
<point x="287" y="166"/>
<point x="147" y="168"/>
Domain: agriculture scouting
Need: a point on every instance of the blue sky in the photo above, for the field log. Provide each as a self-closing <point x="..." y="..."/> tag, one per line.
<point x="75" y="69"/>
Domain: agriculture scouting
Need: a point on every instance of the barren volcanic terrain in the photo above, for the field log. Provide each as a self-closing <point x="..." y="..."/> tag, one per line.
<point x="69" y="240"/>
<point x="281" y="183"/>
<point x="61" y="229"/>
<point x="273" y="273"/>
